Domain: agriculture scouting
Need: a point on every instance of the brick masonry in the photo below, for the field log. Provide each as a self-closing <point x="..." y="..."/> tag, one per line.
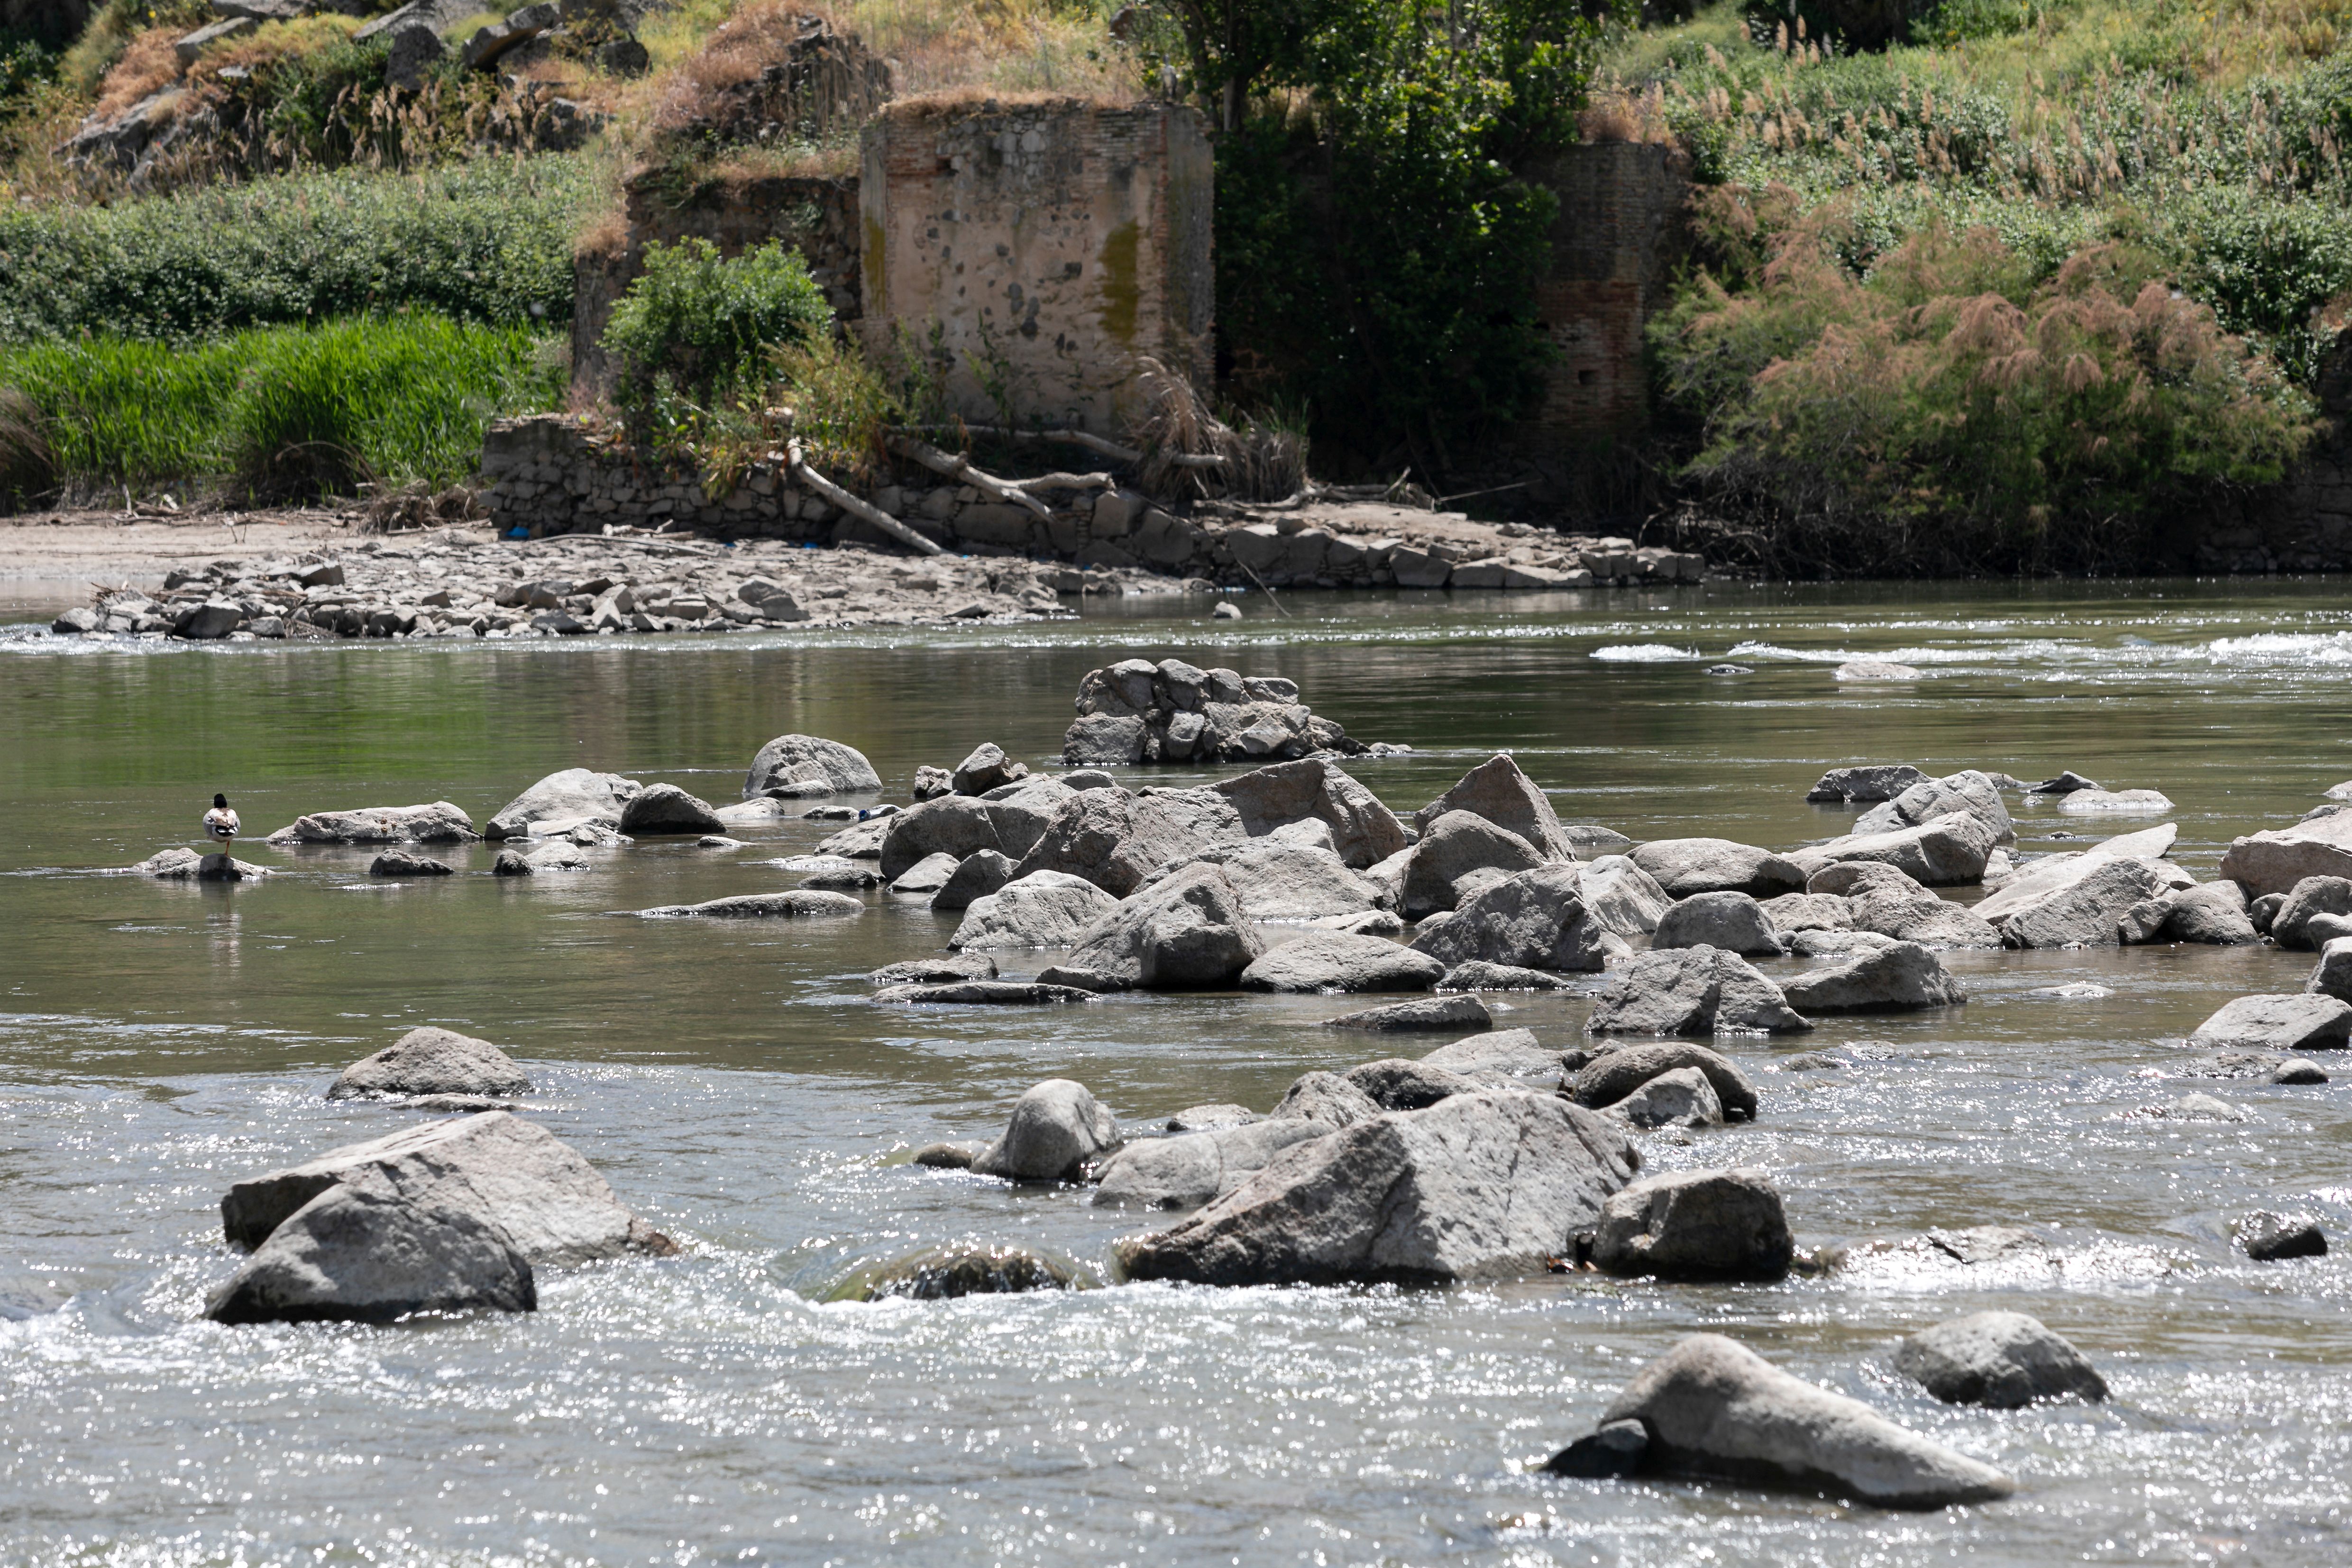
<point x="1046" y="245"/>
<point x="1614" y="244"/>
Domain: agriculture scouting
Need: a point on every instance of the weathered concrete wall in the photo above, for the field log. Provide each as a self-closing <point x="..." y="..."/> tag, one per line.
<point x="1049" y="244"/>
<point x="1614" y="244"/>
<point x="817" y="216"/>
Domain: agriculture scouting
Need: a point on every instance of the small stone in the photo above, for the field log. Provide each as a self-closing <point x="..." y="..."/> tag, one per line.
<point x="393" y="863"/>
<point x="2268" y="1238"/>
<point x="946" y="1157"/>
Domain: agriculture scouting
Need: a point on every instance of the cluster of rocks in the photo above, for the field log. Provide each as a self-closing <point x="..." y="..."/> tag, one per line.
<point x="452" y="1216"/>
<point x="457" y="583"/>
<point x="1137" y="711"/>
<point x="553" y="474"/>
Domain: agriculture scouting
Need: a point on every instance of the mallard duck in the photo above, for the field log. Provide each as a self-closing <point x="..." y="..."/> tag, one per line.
<point x="220" y="822"/>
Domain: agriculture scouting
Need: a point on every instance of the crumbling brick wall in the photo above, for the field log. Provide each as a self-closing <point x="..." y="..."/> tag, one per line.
<point x="1614" y="244"/>
<point x="1043" y="247"/>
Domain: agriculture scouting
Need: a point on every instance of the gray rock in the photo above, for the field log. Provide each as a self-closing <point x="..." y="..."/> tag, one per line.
<point x="1093" y="980"/>
<point x="1682" y="1098"/>
<point x="2266" y="1066"/>
<point x="1200" y="1167"/>
<point x="365" y="1253"/>
<point x="1116" y="840"/>
<point x="993" y="993"/>
<point x="1452" y="848"/>
<point x="557" y="856"/>
<point x="1610" y="1076"/>
<point x="2067" y="783"/>
<point x="431" y="1062"/>
<point x="1057" y="1128"/>
<point x="397" y="862"/>
<point x="570" y="796"/>
<point x="1043" y="909"/>
<point x="800" y="903"/>
<point x="2089" y="912"/>
<point x="2003" y="1361"/>
<point x="1617" y="1450"/>
<point x="1498" y="791"/>
<point x="1324" y="1097"/>
<point x="2269" y="1237"/>
<point x="512" y="862"/>
<point x="1477" y="975"/>
<point x="948" y="1273"/>
<point x="77" y="621"/>
<point x="2289" y="1024"/>
<point x="1697" y="1225"/>
<point x="1884" y="899"/>
<point x="1022" y="810"/>
<point x="1903" y="978"/>
<point x="1512" y="1053"/>
<point x="1794" y="912"/>
<point x="958" y="826"/>
<point x="1864" y="783"/>
<point x="1712" y="1407"/>
<point x="438" y="823"/>
<point x="1682" y="867"/>
<point x="665" y="808"/>
<point x="1398" y="1084"/>
<point x="2262" y="911"/>
<point x="1841" y="944"/>
<point x="1363" y="831"/>
<point x="208" y="621"/>
<point x="976" y="876"/>
<point x="936" y="971"/>
<point x="1283" y="882"/>
<point x="2332" y="976"/>
<point x="927" y="876"/>
<point x="1949" y="851"/>
<point x="1692" y="990"/>
<point x="1187" y="933"/>
<point x="2116" y="802"/>
<point x="930" y="783"/>
<point x="986" y="769"/>
<point x="802" y="759"/>
<point x="2276" y="861"/>
<point x="1968" y="791"/>
<point x="1535" y="920"/>
<point x="833" y="874"/>
<point x="947" y="1156"/>
<point x="2191" y="1108"/>
<point x="511" y="1173"/>
<point x="1454" y="1012"/>
<point x="2213" y="913"/>
<point x="1210" y="1118"/>
<point x="1477" y="1185"/>
<point x="1620" y="898"/>
<point x="2310" y="898"/>
<point x="1731" y="921"/>
<point x="1104" y="740"/>
<point x="1332" y="961"/>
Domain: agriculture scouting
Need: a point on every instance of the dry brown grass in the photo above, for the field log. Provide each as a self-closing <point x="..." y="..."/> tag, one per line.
<point x="148" y="66"/>
<point x="949" y="102"/>
<point x="1614" y="114"/>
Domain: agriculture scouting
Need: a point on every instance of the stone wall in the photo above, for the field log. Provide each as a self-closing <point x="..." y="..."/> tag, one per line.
<point x="816" y="215"/>
<point x="1048" y="243"/>
<point x="557" y="473"/>
<point x="1614" y="244"/>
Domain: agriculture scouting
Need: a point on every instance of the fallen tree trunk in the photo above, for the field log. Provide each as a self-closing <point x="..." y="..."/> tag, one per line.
<point x="1083" y="438"/>
<point x="862" y="510"/>
<point x="961" y="470"/>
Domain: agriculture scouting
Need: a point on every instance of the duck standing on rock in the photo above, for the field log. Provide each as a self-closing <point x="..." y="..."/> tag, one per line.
<point x="220" y="823"/>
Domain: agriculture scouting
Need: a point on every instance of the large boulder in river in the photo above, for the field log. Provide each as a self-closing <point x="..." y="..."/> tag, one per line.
<point x="2213" y="913"/>
<point x="1692" y="990"/>
<point x="1136" y="711"/>
<point x="986" y="769"/>
<point x="2332" y="976"/>
<point x="1535" y="920"/>
<point x="2304" y="902"/>
<point x="1864" y="784"/>
<point x="1887" y="900"/>
<point x="1712" y="1407"/>
<point x="573" y="795"/>
<point x="1498" y="791"/>
<point x="1194" y="1168"/>
<point x="1326" y="1098"/>
<point x="665" y="808"/>
<point x="1685" y="866"/>
<point x="2290" y="1022"/>
<point x="431" y="1062"/>
<point x="794" y="763"/>
<point x="494" y="1164"/>
<point x="1615" y="1073"/>
<point x="1043" y="909"/>
<point x="1620" y="898"/>
<point x="1115" y="840"/>
<point x="1901" y="978"/>
<point x="2002" y="1361"/>
<point x="362" y="1253"/>
<point x="1057" y="1128"/>
<point x="2089" y="912"/>
<point x="1949" y="851"/>
<point x="2276" y="861"/>
<point x="978" y="874"/>
<point x="437" y="823"/>
<point x="1363" y="830"/>
<point x="1731" y="921"/>
<point x="1022" y="810"/>
<point x="1336" y="961"/>
<point x="1968" y="791"/>
<point x="1285" y="882"/>
<point x="1187" y="933"/>
<point x="1697" y="1225"/>
<point x="958" y="825"/>
<point x="1454" y="849"/>
<point x="1475" y="1185"/>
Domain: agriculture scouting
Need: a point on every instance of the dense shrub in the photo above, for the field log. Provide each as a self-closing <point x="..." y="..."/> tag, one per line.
<point x="267" y="412"/>
<point x="701" y="325"/>
<point x="483" y="242"/>
<point x="1952" y="413"/>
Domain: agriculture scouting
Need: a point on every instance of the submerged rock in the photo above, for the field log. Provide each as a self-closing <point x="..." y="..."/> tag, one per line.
<point x="1697" y="1225"/>
<point x="431" y="1062"/>
<point x="2002" y="1361"/>
<point x="945" y="1273"/>
<point x="2290" y="1024"/>
<point x="1477" y="975"/>
<point x="996" y="993"/>
<point x="1057" y="1128"/>
<point x="2268" y="1238"/>
<point x="1473" y="1186"/>
<point x="800" y="903"/>
<point x="936" y="971"/>
<point x="1448" y="1012"/>
<point x="395" y="862"/>
<point x="187" y="866"/>
<point x="363" y="1253"/>
<point x="1713" y="1408"/>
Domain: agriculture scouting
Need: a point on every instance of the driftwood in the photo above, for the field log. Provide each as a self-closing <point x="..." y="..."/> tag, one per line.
<point x="1066" y="482"/>
<point x="862" y="510"/>
<point x="1084" y="438"/>
<point x="961" y="470"/>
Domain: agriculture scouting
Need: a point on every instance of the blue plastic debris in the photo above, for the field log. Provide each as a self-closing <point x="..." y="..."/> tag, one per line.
<point x="517" y="533"/>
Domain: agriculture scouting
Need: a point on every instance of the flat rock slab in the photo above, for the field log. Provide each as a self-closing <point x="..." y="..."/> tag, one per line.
<point x="1000" y="993"/>
<point x="437" y="823"/>
<point x="2289" y="1023"/>
<point x="936" y="971"/>
<point x="1337" y="962"/>
<point x="1451" y="1012"/>
<point x="800" y="903"/>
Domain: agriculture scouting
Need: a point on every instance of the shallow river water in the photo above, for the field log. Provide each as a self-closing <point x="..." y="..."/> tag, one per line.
<point x="159" y="1040"/>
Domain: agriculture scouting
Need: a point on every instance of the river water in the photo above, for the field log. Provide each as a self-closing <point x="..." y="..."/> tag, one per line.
<point x="159" y="1040"/>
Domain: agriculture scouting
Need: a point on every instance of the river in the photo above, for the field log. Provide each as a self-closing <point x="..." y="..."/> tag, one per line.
<point x="159" y="1040"/>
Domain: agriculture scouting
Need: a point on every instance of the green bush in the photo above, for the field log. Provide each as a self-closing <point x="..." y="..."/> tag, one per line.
<point x="699" y="325"/>
<point x="1954" y="414"/>
<point x="490" y="241"/>
<point x="268" y="413"/>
